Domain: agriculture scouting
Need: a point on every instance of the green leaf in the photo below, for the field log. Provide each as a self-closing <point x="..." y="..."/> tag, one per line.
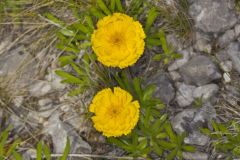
<point x="189" y="148"/>
<point x="79" y="70"/>
<point x="153" y="42"/>
<point x="95" y="12"/>
<point x="159" y="57"/>
<point x="39" y="151"/>
<point x="103" y="7"/>
<point x="66" y="151"/>
<point x="67" y="48"/>
<point x="65" y="60"/>
<point x="148" y="92"/>
<point x="143" y="144"/>
<point x="170" y="133"/>
<point x="82" y="28"/>
<point x="166" y="145"/>
<point x="158" y="150"/>
<point x="3" y="139"/>
<point x="172" y="154"/>
<point x="112" y="5"/>
<point x="164" y="42"/>
<point x="119" y="5"/>
<point x="137" y="87"/>
<point x="12" y="147"/>
<point x="68" y="78"/>
<point x="17" y="156"/>
<point x="76" y="92"/>
<point x="90" y="22"/>
<point x="54" y="19"/>
<point x="47" y="152"/>
<point x="151" y="17"/>
<point x="67" y="32"/>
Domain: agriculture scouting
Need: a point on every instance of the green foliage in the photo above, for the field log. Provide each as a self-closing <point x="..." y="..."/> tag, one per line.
<point x="8" y="149"/>
<point x="226" y="138"/>
<point x="143" y="140"/>
<point x="43" y="151"/>
<point x="168" y="51"/>
<point x="237" y="5"/>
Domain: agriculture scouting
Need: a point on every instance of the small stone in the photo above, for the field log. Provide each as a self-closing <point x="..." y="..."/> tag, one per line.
<point x="199" y="70"/>
<point x="226" y="77"/>
<point x="175" y="76"/>
<point x="184" y="95"/>
<point x="164" y="87"/>
<point x="195" y="156"/>
<point x="44" y="102"/>
<point x="237" y="30"/>
<point x="233" y="51"/>
<point x="55" y="81"/>
<point x="60" y="131"/>
<point x="179" y="120"/>
<point x="203" y="42"/>
<point x="226" y="66"/>
<point x="39" y="88"/>
<point x="196" y="138"/>
<point x="226" y="38"/>
<point x="205" y="92"/>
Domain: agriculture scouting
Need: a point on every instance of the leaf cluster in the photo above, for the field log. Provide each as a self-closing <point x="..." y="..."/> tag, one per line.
<point x="153" y="133"/>
<point x="168" y="51"/>
<point x="9" y="148"/>
<point x="226" y="138"/>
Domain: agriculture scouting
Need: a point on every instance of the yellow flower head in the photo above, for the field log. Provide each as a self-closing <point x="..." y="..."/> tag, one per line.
<point x="115" y="112"/>
<point x="118" y="40"/>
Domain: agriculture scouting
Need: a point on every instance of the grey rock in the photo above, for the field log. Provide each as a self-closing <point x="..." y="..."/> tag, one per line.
<point x="199" y="70"/>
<point x="190" y="120"/>
<point x="213" y="15"/>
<point x="165" y="89"/>
<point x="39" y="88"/>
<point x="180" y="62"/>
<point x="227" y="77"/>
<point x="233" y="51"/>
<point x="226" y="66"/>
<point x="59" y="132"/>
<point x="184" y="95"/>
<point x="204" y="114"/>
<point x="195" y="156"/>
<point x="203" y="42"/>
<point x="237" y="30"/>
<point x="226" y="38"/>
<point x="55" y="81"/>
<point x="197" y="138"/>
<point x="45" y="102"/>
<point x="205" y="92"/>
<point x="175" y="76"/>
<point x="10" y="63"/>
<point x="180" y="119"/>
<point x="174" y="42"/>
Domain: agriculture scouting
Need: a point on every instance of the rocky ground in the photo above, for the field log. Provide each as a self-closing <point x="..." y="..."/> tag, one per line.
<point x="200" y="87"/>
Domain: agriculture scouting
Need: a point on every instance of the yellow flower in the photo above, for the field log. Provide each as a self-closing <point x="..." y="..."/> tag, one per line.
<point x="115" y="112"/>
<point x="118" y="40"/>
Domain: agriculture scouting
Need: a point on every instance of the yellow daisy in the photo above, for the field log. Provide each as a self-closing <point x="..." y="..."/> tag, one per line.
<point x="115" y="112"/>
<point x="118" y="40"/>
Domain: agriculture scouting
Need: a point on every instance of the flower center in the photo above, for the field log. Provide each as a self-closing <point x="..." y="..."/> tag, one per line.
<point x="114" y="111"/>
<point x="117" y="39"/>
